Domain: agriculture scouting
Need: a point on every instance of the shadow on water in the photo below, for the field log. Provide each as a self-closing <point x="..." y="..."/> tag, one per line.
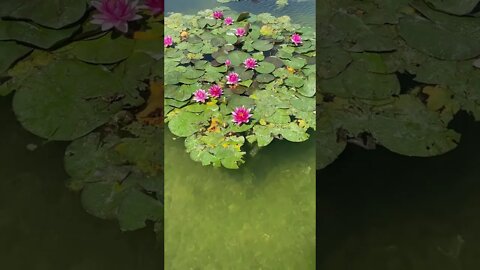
<point x="381" y="211"/>
<point x="43" y="225"/>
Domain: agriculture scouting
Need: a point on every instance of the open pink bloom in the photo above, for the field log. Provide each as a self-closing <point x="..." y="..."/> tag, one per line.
<point x="168" y="41"/>
<point x="296" y="38"/>
<point x="215" y="91"/>
<point x="233" y="78"/>
<point x="217" y="15"/>
<point x="228" y="21"/>
<point x="240" y="32"/>
<point x="155" y="6"/>
<point x="115" y="13"/>
<point x="200" y="96"/>
<point x="228" y="62"/>
<point x="250" y="63"/>
<point x="241" y="115"/>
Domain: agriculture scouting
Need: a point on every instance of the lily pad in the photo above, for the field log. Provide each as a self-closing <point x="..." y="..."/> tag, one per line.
<point x="265" y="67"/>
<point x="104" y="50"/>
<point x="49" y="13"/>
<point x="57" y="103"/>
<point x="44" y="38"/>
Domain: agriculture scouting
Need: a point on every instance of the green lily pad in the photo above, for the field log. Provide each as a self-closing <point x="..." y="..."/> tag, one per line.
<point x="10" y="52"/>
<point x="136" y="208"/>
<point x="186" y="123"/>
<point x="104" y="50"/>
<point x="57" y="103"/>
<point x="265" y="67"/>
<point x="44" y="38"/>
<point x="262" y="45"/>
<point x="50" y="13"/>
<point x="455" y="7"/>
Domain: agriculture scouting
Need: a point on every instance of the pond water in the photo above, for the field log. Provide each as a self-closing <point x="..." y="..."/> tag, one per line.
<point x="301" y="11"/>
<point x="381" y="211"/>
<point x="43" y="225"/>
<point x="261" y="216"/>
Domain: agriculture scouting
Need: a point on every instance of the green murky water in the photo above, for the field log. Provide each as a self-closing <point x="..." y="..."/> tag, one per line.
<point x="261" y="216"/>
<point x="43" y="225"/>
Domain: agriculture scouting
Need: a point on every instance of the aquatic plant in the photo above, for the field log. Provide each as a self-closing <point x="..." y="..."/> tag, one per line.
<point x="200" y="96"/>
<point x="102" y="91"/>
<point x="155" y="6"/>
<point x="228" y="21"/>
<point x="296" y="39"/>
<point x="241" y="115"/>
<point x="267" y="84"/>
<point x="395" y="75"/>
<point x="115" y="13"/>
<point x="215" y="91"/>
<point x="250" y="63"/>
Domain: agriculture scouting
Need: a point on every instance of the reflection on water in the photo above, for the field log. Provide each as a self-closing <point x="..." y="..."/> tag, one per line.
<point x="261" y="216"/>
<point x="381" y="211"/>
<point x="42" y="224"/>
<point x="301" y="11"/>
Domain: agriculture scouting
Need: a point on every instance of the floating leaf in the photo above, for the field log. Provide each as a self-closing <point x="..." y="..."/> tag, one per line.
<point x="265" y="67"/>
<point x="57" y="103"/>
<point x="104" y="50"/>
<point x="262" y="45"/>
<point x="11" y="52"/>
<point x="44" y="38"/>
<point x="50" y="13"/>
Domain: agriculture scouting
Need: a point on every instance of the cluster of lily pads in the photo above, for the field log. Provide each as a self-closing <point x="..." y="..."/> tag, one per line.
<point x="395" y="73"/>
<point x="260" y="74"/>
<point x="90" y="73"/>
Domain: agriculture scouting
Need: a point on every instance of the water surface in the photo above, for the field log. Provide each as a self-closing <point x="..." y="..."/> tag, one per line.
<point x="261" y="216"/>
<point x="381" y="211"/>
<point x="43" y="225"/>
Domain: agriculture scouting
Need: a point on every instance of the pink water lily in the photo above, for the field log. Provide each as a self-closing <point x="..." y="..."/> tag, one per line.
<point x="200" y="96"/>
<point x="241" y="115"/>
<point x="155" y="6"/>
<point x="250" y="63"/>
<point x="296" y="39"/>
<point x="217" y="15"/>
<point x="240" y="32"/>
<point x="228" y="62"/>
<point x="168" y="41"/>
<point x="233" y="78"/>
<point x="215" y="91"/>
<point x="228" y="21"/>
<point x="115" y="13"/>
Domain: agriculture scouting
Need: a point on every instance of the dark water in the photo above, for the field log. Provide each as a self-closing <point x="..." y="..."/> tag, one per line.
<point x="43" y="225"/>
<point x="380" y="211"/>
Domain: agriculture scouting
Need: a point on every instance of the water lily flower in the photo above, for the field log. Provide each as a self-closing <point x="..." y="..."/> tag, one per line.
<point x="233" y="78"/>
<point x="168" y="41"/>
<point x="250" y="63"/>
<point x="241" y="115"/>
<point x="240" y="32"/>
<point x="215" y="91"/>
<point x="228" y="62"/>
<point x="217" y="15"/>
<point x="115" y="13"/>
<point x="155" y="6"/>
<point x="296" y="38"/>
<point x="228" y="21"/>
<point x="200" y="96"/>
